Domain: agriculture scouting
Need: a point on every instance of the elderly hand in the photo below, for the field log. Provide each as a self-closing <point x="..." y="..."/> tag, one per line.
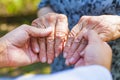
<point x="96" y="52"/>
<point x="15" y="47"/>
<point x="53" y="44"/>
<point x="107" y="27"/>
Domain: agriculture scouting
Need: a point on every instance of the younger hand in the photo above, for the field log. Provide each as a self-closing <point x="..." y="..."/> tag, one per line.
<point x="15" y="47"/>
<point x="96" y="52"/>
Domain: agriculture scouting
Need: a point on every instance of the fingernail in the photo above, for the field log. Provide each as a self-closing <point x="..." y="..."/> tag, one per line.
<point x="43" y="60"/>
<point x="56" y="55"/>
<point x="50" y="28"/>
<point x="66" y="62"/>
<point x="37" y="50"/>
<point x="71" y="60"/>
<point x="64" y="55"/>
<point x="49" y="61"/>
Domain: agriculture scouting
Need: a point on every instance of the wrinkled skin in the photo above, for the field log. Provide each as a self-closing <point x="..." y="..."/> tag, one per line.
<point x="107" y="27"/>
<point x="15" y="47"/>
<point x="51" y="46"/>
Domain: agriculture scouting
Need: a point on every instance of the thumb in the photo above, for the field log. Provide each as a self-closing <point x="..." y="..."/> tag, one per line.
<point x="92" y="37"/>
<point x="38" y="32"/>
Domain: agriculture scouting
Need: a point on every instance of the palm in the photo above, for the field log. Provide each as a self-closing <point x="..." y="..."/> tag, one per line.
<point x="24" y="56"/>
<point x="18" y="48"/>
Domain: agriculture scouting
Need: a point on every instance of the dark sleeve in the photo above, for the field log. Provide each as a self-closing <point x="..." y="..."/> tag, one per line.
<point x="43" y="3"/>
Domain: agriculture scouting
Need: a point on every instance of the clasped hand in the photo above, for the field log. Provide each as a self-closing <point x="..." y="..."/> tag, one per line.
<point x="73" y="44"/>
<point x="50" y="36"/>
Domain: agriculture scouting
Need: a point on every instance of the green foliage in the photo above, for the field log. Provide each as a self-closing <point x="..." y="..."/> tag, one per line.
<point x="17" y="7"/>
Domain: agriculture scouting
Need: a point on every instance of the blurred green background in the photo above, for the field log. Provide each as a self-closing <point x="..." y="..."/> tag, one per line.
<point x="13" y="13"/>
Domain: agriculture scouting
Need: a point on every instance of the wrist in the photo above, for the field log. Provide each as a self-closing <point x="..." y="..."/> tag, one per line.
<point x="116" y="33"/>
<point x="44" y="11"/>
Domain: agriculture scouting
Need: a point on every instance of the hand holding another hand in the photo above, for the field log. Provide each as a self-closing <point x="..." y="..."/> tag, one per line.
<point x="96" y="52"/>
<point x="15" y="48"/>
<point x="106" y="26"/>
<point x="51" y="46"/>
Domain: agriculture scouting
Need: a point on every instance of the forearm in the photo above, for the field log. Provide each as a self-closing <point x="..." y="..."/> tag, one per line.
<point x="44" y="11"/>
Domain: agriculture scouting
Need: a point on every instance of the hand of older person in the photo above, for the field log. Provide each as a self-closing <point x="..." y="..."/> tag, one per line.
<point x="107" y="27"/>
<point x="15" y="47"/>
<point x="51" y="46"/>
<point x="97" y="52"/>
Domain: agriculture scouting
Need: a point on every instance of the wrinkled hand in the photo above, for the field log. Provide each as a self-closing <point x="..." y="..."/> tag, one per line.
<point x="96" y="52"/>
<point x="51" y="46"/>
<point x="107" y="27"/>
<point x="15" y="47"/>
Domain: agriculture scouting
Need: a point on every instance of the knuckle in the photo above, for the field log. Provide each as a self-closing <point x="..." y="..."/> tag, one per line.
<point x="25" y="26"/>
<point x="82" y="18"/>
<point x="51" y="17"/>
<point x="51" y="14"/>
<point x="60" y="34"/>
<point x="77" y="39"/>
<point x="70" y="37"/>
<point x="50" y="51"/>
<point x="62" y="17"/>
<point x="67" y="46"/>
<point x="72" y="33"/>
<point x="42" y="19"/>
<point x="42" y="39"/>
<point x="85" y="17"/>
<point x="50" y="40"/>
<point x="34" y="22"/>
<point x="37" y="22"/>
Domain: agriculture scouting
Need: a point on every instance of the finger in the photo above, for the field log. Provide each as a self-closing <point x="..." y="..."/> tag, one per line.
<point x="34" y="57"/>
<point x="34" y="45"/>
<point x="61" y="33"/>
<point x="38" y="32"/>
<point x="76" y="43"/>
<point x="42" y="54"/>
<point x="42" y="41"/>
<point x="80" y="63"/>
<point x="68" y="45"/>
<point x="50" y="39"/>
<point x="74" y="32"/>
<point x="76" y="56"/>
<point x="70" y="39"/>
<point x="50" y="49"/>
